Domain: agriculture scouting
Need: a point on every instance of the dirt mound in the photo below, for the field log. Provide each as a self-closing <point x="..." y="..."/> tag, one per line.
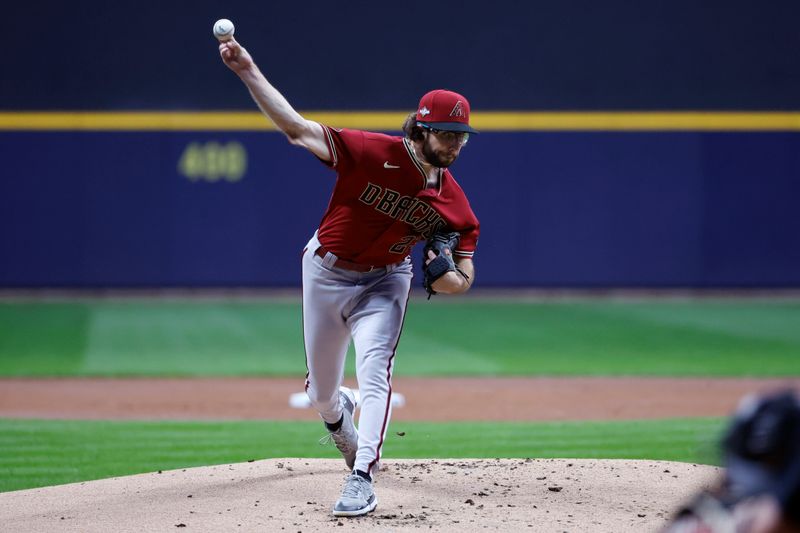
<point x="297" y="495"/>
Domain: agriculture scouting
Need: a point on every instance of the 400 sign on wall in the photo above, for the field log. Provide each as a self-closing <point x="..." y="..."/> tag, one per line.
<point x="212" y="161"/>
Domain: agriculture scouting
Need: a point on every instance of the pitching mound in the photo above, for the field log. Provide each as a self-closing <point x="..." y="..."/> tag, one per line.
<point x="297" y="495"/>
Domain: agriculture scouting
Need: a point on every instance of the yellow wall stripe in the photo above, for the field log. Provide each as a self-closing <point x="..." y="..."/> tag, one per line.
<point x="485" y="121"/>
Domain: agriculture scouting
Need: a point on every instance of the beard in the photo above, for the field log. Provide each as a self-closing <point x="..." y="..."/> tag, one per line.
<point x="437" y="159"/>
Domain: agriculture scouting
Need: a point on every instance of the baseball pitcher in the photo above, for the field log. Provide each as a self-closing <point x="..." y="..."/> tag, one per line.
<point x="390" y="193"/>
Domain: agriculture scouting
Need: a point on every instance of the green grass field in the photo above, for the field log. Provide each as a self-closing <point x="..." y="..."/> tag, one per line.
<point x="476" y="337"/>
<point x="37" y="453"/>
<point x="154" y="338"/>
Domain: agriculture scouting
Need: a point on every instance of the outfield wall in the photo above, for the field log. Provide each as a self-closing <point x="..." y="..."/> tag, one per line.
<point x="566" y="197"/>
<point x="506" y="54"/>
<point x="582" y="209"/>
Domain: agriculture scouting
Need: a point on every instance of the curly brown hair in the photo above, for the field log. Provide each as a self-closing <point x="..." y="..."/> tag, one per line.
<point x="410" y="128"/>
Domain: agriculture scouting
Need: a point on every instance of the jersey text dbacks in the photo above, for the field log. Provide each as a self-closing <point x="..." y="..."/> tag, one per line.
<point x="380" y="207"/>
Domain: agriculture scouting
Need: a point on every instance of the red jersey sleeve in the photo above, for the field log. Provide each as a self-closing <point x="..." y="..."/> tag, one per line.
<point x="458" y="215"/>
<point x="345" y="147"/>
<point x="469" y="239"/>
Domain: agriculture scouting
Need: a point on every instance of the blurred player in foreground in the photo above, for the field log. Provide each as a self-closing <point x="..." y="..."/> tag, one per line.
<point x="760" y="492"/>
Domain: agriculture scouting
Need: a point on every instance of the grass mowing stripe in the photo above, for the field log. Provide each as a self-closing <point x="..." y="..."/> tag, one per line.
<point x="71" y="451"/>
<point x="49" y="338"/>
<point x="478" y="337"/>
<point x="610" y="338"/>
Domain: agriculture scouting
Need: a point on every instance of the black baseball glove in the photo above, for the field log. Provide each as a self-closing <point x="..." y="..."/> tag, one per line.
<point x="443" y="263"/>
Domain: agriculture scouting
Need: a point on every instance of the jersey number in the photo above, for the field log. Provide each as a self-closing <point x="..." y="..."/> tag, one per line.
<point x="404" y="246"/>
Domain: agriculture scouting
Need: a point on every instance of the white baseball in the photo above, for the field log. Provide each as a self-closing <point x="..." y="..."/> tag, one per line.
<point x="223" y="30"/>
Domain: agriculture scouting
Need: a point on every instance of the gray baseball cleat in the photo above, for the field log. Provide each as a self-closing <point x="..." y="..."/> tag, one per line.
<point x="357" y="498"/>
<point x="346" y="437"/>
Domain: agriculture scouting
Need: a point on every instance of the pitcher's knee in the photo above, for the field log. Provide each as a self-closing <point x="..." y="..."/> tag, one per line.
<point x="325" y="404"/>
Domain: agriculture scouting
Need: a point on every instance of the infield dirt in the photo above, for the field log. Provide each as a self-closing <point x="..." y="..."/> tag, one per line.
<point x="433" y="399"/>
<point x="439" y="495"/>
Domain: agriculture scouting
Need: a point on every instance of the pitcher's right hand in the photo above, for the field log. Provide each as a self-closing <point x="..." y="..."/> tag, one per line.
<point x="235" y="56"/>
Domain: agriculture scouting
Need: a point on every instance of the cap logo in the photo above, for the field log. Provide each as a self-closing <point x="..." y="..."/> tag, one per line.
<point x="424" y="111"/>
<point x="458" y="110"/>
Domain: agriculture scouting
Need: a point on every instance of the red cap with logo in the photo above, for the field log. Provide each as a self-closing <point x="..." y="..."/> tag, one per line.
<point x="444" y="110"/>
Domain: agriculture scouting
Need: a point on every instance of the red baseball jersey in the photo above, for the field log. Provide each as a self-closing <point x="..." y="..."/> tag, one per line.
<point x="380" y="206"/>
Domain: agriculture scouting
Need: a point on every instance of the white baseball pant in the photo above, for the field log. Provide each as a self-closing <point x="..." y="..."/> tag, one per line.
<point x="369" y="307"/>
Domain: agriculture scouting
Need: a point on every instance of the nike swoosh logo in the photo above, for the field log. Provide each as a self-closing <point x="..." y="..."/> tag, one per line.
<point x="387" y="165"/>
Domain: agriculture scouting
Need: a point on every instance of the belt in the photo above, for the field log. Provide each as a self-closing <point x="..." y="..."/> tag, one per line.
<point x="347" y="265"/>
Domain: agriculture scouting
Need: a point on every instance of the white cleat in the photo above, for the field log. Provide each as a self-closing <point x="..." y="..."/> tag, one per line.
<point x="346" y="437"/>
<point x="357" y="498"/>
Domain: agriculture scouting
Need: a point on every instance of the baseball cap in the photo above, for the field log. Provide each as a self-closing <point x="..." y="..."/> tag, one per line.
<point x="444" y="110"/>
